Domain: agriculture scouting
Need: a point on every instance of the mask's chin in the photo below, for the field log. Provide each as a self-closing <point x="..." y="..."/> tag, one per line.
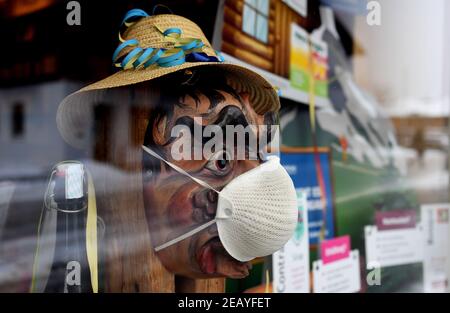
<point x="214" y="260"/>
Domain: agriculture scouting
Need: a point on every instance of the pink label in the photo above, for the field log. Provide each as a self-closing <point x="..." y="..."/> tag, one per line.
<point x="395" y="219"/>
<point x="335" y="249"/>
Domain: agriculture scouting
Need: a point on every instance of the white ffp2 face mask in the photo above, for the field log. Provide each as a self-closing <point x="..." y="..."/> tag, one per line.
<point x="256" y="211"/>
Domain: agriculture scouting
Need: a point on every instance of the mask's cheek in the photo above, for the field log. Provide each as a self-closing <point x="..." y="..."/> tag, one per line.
<point x="155" y="203"/>
<point x="181" y="258"/>
<point x="176" y="259"/>
<point x="168" y="201"/>
<point x="180" y="207"/>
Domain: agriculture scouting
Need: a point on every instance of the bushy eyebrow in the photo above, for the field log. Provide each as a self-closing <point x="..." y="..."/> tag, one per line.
<point x="214" y="96"/>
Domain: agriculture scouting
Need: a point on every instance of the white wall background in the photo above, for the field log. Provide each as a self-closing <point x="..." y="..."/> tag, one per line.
<point x="405" y="62"/>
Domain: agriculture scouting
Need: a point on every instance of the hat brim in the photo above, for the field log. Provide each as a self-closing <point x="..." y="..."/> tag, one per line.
<point x="73" y="115"/>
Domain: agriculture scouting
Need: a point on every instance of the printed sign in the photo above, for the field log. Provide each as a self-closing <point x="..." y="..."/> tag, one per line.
<point x="339" y="269"/>
<point x="395" y="219"/>
<point x="435" y="222"/>
<point x="300" y="165"/>
<point x="308" y="59"/>
<point x="299" y="6"/>
<point x="335" y="249"/>
<point x="291" y="263"/>
<point x="299" y="63"/>
<point x="320" y="66"/>
<point x="395" y="240"/>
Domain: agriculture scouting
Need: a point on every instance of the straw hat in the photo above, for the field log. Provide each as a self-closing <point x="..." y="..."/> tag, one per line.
<point x="151" y="47"/>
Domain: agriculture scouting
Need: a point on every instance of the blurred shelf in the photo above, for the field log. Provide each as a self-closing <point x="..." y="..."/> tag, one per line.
<point x="287" y="91"/>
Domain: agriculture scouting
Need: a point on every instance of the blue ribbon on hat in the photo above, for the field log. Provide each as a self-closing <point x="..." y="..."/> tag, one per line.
<point x="183" y="50"/>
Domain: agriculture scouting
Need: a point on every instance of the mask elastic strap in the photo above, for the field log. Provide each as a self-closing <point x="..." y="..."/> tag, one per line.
<point x="179" y="169"/>
<point x="186" y="235"/>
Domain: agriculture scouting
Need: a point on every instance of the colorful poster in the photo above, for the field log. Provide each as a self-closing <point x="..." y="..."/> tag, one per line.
<point x="435" y="222"/>
<point x="308" y="59"/>
<point x="395" y="240"/>
<point x="320" y="67"/>
<point x="291" y="263"/>
<point x="299" y="62"/>
<point x="338" y="270"/>
<point x="301" y="165"/>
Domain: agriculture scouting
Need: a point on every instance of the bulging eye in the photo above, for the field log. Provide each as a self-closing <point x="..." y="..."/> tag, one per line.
<point x="219" y="163"/>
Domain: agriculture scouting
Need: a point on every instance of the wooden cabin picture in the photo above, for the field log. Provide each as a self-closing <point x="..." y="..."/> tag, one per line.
<point x="258" y="31"/>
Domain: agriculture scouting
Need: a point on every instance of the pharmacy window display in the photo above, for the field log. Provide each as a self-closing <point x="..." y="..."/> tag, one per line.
<point x="254" y="146"/>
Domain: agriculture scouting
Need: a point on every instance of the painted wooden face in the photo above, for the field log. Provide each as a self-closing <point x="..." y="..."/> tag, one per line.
<point x="176" y="204"/>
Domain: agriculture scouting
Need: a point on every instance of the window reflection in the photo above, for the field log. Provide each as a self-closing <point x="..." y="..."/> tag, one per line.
<point x="255" y="19"/>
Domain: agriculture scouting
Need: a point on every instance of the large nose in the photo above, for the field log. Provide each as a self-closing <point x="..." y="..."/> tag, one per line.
<point x="206" y="202"/>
